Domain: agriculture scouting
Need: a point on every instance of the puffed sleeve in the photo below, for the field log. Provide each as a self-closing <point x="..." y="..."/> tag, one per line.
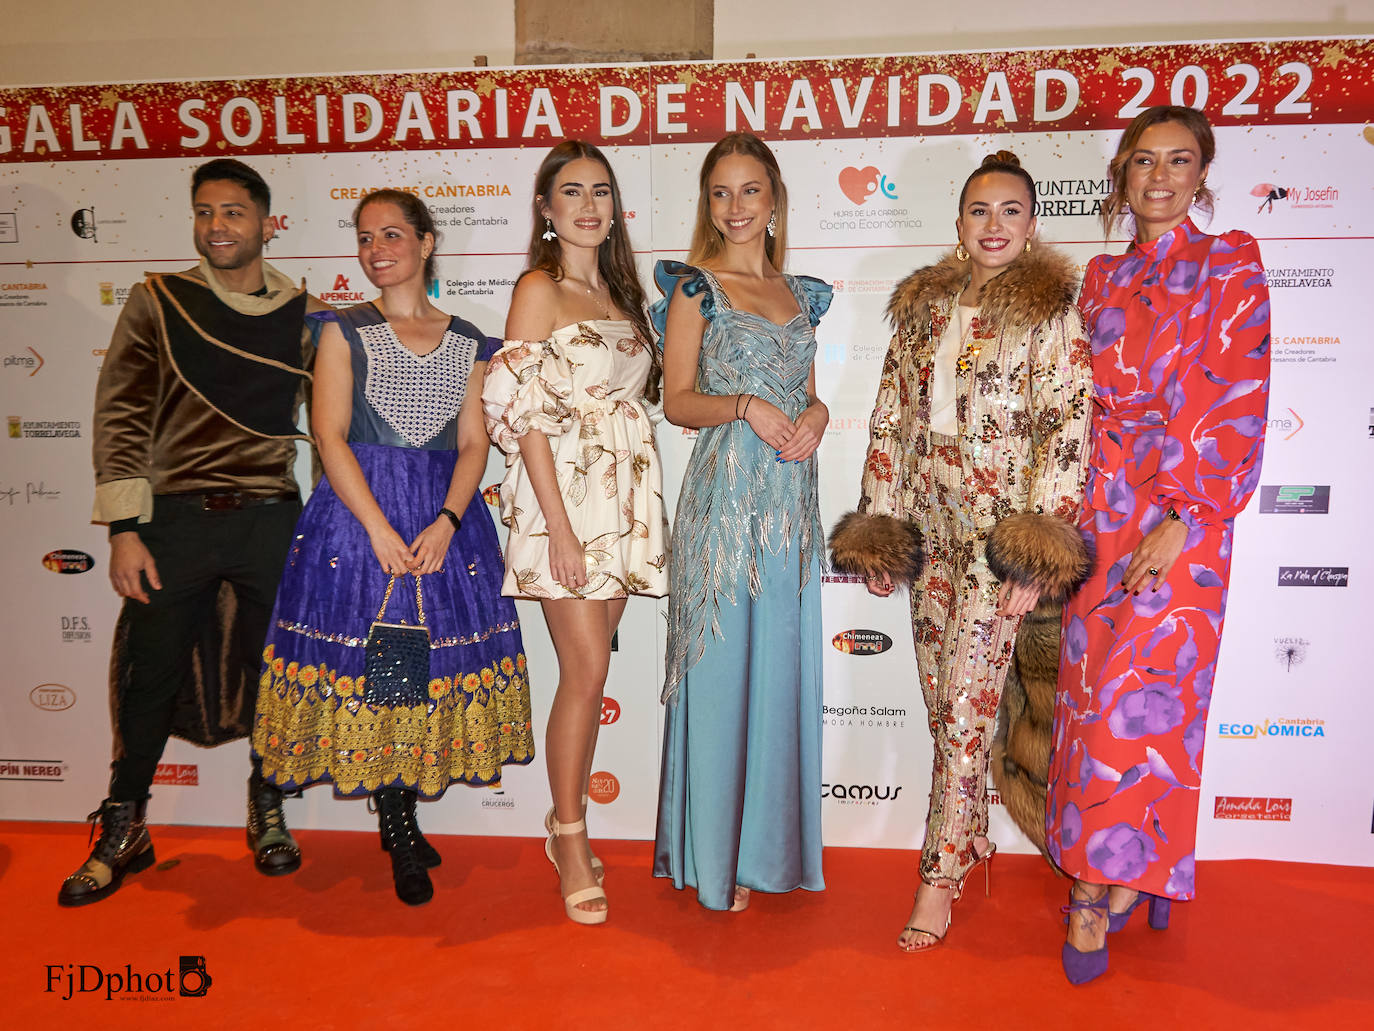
<point x="880" y="487"/>
<point x="126" y="397"/>
<point x="818" y="295"/>
<point x="1061" y="415"/>
<point x="1089" y="296"/>
<point x="527" y="387"/>
<point x="667" y="275"/>
<point x="1219" y="400"/>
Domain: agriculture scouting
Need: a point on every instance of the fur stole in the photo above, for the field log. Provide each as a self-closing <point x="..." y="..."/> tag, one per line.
<point x="1020" y="758"/>
<point x="1038" y="286"/>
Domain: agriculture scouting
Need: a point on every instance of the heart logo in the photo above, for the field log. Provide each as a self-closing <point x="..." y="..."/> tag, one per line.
<point x="859" y="184"/>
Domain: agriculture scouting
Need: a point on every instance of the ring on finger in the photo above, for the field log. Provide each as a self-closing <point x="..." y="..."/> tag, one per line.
<point x="1152" y="571"/>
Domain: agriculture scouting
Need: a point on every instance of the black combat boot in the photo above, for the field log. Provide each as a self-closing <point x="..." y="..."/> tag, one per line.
<point x="424" y="851"/>
<point x="413" y="886"/>
<point x="275" y="852"/>
<point x="124" y="847"/>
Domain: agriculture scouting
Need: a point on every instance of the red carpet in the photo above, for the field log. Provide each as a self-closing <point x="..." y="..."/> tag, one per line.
<point x="1270" y="945"/>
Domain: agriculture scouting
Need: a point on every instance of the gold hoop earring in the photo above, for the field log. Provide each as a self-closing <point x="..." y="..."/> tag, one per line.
<point x="960" y="252"/>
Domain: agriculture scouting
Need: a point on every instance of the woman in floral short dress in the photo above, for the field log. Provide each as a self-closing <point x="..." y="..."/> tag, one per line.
<point x="565" y="400"/>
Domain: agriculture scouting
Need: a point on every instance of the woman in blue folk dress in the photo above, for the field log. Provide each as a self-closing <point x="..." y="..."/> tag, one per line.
<point x="740" y="796"/>
<point x="398" y="422"/>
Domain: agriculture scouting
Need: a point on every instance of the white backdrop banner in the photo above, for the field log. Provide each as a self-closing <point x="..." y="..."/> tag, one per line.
<point x="94" y="190"/>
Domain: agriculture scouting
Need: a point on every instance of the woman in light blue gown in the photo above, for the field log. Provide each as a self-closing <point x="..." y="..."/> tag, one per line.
<point x="740" y="796"/>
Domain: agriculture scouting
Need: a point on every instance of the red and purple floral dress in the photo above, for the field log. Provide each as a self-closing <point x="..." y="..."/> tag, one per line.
<point x="1179" y="329"/>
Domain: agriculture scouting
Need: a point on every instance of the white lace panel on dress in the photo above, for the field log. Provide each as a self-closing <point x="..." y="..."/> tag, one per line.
<point x="416" y="394"/>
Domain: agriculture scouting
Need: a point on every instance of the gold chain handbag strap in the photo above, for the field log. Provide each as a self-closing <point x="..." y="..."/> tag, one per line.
<point x="386" y="598"/>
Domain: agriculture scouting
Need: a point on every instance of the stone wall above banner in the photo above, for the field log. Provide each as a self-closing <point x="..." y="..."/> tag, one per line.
<point x="553" y="32"/>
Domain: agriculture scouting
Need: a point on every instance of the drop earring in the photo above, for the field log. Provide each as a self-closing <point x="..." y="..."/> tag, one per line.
<point x="548" y="233"/>
<point x="1027" y="250"/>
<point x="772" y="223"/>
<point x="959" y="252"/>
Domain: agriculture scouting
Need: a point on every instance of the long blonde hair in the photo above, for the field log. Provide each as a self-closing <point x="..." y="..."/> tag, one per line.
<point x="707" y="242"/>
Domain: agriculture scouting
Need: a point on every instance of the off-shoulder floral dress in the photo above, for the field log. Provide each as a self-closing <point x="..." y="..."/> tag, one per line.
<point x="583" y="388"/>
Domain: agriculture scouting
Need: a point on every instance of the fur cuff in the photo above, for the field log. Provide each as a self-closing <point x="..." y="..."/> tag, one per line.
<point x="870" y="545"/>
<point x="1041" y="550"/>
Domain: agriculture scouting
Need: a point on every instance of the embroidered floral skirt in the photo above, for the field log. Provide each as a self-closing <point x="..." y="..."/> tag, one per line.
<point x="312" y="723"/>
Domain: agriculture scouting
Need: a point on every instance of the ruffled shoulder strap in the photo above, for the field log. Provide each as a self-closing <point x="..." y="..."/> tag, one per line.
<point x="817" y="294"/>
<point x="694" y="281"/>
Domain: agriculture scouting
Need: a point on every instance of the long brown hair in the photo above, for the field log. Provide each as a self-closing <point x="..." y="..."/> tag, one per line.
<point x="1115" y="208"/>
<point x="615" y="258"/>
<point x="707" y="241"/>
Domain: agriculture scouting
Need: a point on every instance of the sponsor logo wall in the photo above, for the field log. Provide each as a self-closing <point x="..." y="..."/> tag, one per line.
<point x="873" y="150"/>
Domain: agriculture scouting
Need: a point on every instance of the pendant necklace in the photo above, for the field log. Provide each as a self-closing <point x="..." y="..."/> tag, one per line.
<point x="968" y="337"/>
<point x="603" y="305"/>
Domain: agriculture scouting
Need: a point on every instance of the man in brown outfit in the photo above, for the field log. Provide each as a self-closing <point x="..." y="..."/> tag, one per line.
<point x="195" y="442"/>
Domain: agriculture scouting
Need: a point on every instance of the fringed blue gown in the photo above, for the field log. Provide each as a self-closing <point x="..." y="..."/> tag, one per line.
<point x="740" y="795"/>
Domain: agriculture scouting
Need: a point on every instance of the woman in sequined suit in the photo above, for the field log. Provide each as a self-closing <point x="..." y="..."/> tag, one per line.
<point x="398" y="423"/>
<point x="740" y="795"/>
<point x="978" y="438"/>
<point x="1179" y="326"/>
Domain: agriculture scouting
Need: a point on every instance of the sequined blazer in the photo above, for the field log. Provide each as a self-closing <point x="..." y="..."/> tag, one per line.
<point x="1022" y="389"/>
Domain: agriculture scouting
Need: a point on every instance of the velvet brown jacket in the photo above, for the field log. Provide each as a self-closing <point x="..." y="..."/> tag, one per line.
<point x="159" y="429"/>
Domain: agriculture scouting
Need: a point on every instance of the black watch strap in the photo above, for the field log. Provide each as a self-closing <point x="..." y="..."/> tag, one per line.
<point x="452" y="517"/>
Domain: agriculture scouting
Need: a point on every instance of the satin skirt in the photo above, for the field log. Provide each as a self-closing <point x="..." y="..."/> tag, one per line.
<point x="740" y="793"/>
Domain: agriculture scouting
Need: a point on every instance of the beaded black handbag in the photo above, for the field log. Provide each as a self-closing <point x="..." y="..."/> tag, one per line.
<point x="397" y="668"/>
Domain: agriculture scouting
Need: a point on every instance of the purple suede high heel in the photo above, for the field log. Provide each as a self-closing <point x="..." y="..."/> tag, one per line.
<point x="1082" y="967"/>
<point x="1159" y="913"/>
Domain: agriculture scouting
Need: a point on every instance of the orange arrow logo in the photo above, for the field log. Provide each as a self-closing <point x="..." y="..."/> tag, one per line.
<point x="40" y="362"/>
<point x="1298" y="427"/>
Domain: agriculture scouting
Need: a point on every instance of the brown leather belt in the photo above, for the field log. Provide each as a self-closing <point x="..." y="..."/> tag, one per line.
<point x="228" y="500"/>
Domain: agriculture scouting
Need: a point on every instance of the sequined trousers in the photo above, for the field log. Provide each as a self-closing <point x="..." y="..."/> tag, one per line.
<point x="963" y="652"/>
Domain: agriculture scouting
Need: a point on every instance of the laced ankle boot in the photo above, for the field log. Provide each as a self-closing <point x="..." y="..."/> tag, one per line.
<point x="275" y="851"/>
<point x="124" y="847"/>
<point x="424" y="851"/>
<point x="413" y="886"/>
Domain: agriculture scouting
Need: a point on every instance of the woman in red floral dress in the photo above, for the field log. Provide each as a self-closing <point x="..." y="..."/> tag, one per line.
<point x="1179" y="326"/>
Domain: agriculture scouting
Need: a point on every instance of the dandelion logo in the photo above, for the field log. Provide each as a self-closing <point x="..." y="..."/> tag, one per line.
<point x="1290" y="652"/>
